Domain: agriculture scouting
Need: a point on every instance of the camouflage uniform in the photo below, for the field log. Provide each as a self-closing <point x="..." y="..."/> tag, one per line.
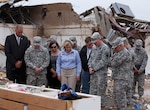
<point x="121" y="63"/>
<point x="74" y="41"/>
<point x="140" y="63"/>
<point x="99" y="62"/>
<point x="36" y="58"/>
<point x="129" y="92"/>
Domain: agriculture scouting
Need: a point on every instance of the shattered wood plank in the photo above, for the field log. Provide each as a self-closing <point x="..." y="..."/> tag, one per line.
<point x="130" y="20"/>
<point x="144" y="30"/>
<point x="115" y="23"/>
<point x="101" y="21"/>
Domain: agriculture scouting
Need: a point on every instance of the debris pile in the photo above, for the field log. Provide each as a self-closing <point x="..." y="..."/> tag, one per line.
<point x="144" y="103"/>
<point x="3" y="79"/>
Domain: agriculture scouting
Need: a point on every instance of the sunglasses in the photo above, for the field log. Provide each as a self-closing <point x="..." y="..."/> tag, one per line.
<point x="53" y="47"/>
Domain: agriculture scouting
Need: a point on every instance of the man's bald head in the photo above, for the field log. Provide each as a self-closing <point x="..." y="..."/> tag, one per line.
<point x="19" y="30"/>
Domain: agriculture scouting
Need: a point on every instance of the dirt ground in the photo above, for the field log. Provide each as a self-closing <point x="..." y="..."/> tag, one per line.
<point x="144" y="103"/>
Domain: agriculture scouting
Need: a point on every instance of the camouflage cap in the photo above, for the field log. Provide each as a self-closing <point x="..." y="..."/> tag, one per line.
<point x="95" y="36"/>
<point x="125" y="40"/>
<point x="73" y="39"/>
<point x="138" y="43"/>
<point x="117" y="42"/>
<point x="52" y="38"/>
<point x="37" y="40"/>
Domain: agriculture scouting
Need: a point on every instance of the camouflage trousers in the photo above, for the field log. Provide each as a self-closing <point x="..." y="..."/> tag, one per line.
<point x="122" y="93"/>
<point x="36" y="79"/>
<point x="139" y="79"/>
<point x="130" y="91"/>
<point x="98" y="85"/>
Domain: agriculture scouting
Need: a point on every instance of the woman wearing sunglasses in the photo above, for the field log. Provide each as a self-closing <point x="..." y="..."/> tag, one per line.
<point x="53" y="82"/>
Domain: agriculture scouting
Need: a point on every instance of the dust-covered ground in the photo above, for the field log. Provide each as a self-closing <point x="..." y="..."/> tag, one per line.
<point x="144" y="103"/>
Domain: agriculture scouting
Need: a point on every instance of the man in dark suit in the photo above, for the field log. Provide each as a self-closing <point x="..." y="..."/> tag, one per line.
<point x="15" y="47"/>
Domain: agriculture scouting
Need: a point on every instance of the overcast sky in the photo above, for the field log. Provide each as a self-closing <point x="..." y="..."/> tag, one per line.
<point x="140" y="8"/>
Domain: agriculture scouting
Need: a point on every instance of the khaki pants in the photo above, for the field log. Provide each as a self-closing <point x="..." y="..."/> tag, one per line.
<point x="68" y="76"/>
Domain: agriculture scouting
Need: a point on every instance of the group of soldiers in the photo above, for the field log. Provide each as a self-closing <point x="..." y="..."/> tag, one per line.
<point x="127" y="64"/>
<point x="128" y="69"/>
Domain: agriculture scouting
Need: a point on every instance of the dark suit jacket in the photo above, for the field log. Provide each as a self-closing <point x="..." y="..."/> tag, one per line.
<point x="84" y="60"/>
<point x="15" y="52"/>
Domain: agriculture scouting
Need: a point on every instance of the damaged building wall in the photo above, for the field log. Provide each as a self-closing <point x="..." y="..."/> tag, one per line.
<point x="7" y="29"/>
<point x="60" y="21"/>
<point x="54" y="15"/>
<point x="4" y="31"/>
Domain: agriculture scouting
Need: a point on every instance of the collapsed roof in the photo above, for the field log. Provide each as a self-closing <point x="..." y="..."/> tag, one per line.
<point x="121" y="20"/>
<point x="19" y="13"/>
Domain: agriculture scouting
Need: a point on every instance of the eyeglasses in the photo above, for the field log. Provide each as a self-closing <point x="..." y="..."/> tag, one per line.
<point x="53" y="47"/>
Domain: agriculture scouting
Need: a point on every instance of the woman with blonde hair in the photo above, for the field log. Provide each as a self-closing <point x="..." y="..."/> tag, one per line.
<point x="68" y="66"/>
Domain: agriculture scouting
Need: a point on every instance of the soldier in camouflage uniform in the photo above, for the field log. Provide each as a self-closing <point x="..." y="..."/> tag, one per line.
<point x="37" y="59"/>
<point x="74" y="44"/>
<point x="121" y="63"/>
<point x="140" y="63"/>
<point x="98" y="67"/>
<point x="129" y="92"/>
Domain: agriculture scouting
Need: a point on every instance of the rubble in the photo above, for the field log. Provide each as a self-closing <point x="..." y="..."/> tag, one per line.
<point x="144" y="102"/>
<point x="63" y="22"/>
<point x="3" y="79"/>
